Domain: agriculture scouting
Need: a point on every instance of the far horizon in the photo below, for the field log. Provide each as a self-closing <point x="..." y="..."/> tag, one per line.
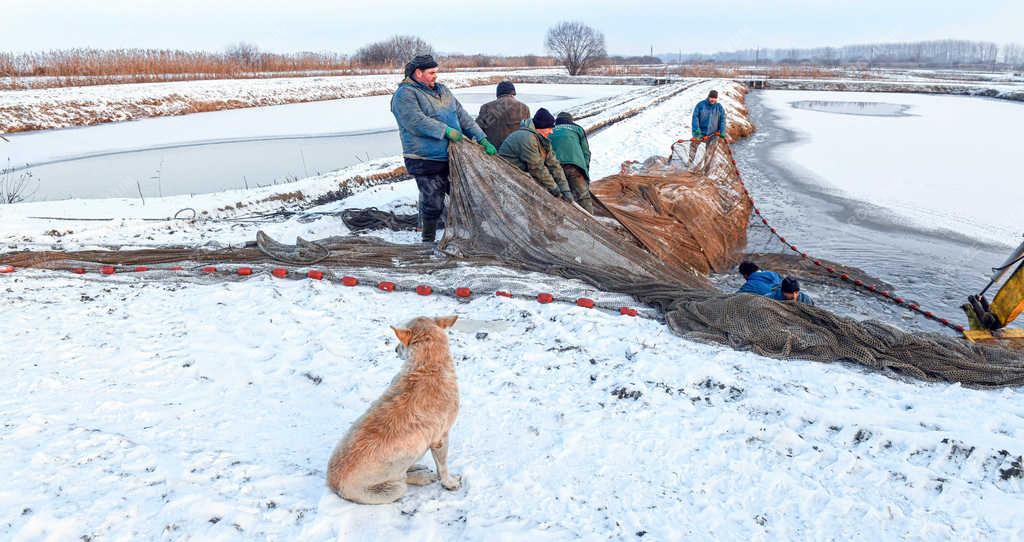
<point x="666" y="28"/>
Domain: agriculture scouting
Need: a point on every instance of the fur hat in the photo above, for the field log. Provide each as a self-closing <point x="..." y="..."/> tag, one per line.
<point x="790" y="285"/>
<point x="713" y="94"/>
<point x="564" y="118"/>
<point x="543" y="119"/>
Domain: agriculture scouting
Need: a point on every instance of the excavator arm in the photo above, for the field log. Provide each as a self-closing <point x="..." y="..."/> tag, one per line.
<point x="989" y="320"/>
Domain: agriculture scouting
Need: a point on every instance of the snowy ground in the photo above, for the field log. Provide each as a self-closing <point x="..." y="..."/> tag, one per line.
<point x="916" y="165"/>
<point x="206" y="410"/>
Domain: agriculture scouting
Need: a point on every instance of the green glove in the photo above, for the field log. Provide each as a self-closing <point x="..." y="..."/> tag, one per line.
<point x="696" y="133"/>
<point x="453" y="134"/>
<point x="723" y="136"/>
<point x="488" y="148"/>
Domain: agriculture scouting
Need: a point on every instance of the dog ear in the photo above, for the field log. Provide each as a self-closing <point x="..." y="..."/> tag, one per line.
<point x="404" y="335"/>
<point x="445" y="322"/>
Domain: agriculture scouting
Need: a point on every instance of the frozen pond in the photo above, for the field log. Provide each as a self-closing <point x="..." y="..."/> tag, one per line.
<point x="871" y="109"/>
<point x="210" y="152"/>
<point x="936" y="262"/>
<point x="948" y="165"/>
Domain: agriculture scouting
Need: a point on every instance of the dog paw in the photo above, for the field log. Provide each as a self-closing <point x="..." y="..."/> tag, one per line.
<point x="452" y="482"/>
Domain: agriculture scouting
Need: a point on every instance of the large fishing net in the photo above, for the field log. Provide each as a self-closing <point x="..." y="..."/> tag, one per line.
<point x="501" y="225"/>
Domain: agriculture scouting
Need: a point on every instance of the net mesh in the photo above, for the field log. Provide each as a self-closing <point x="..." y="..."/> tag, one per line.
<point x="500" y="219"/>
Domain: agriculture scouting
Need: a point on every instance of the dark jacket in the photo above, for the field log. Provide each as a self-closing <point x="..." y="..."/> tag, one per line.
<point x="777" y="295"/>
<point x="761" y="283"/>
<point x="423" y="114"/>
<point x="571" y="147"/>
<point x="532" y="153"/>
<point x="708" y="118"/>
<point x="501" y="117"/>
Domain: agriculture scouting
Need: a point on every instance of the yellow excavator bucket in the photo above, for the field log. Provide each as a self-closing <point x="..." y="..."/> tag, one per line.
<point x="1005" y="307"/>
<point x="1009" y="302"/>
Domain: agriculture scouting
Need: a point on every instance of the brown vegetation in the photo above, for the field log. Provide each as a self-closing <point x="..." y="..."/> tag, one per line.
<point x="86" y="67"/>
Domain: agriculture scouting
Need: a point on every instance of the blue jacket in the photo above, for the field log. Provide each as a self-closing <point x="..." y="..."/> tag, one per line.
<point x="761" y="283"/>
<point x="800" y="298"/>
<point x="423" y="114"/>
<point x="708" y="118"/>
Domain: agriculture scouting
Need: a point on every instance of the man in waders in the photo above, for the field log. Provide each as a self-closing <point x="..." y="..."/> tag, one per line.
<point x="429" y="117"/>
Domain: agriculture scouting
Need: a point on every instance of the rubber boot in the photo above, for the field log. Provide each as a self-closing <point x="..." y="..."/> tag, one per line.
<point x="429" y="230"/>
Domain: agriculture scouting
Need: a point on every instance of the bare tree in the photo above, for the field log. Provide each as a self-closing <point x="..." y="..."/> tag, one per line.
<point x="392" y="52"/>
<point x="246" y="54"/>
<point x="577" y="46"/>
<point x="15" y="187"/>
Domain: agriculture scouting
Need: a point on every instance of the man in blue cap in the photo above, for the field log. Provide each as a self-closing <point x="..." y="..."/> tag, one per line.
<point x="708" y="121"/>
<point x="429" y="117"/>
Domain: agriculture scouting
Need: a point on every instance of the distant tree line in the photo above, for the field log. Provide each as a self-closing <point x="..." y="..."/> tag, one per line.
<point x="938" y="53"/>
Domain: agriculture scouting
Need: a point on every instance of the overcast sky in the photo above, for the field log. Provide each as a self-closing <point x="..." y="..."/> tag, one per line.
<point x="511" y="27"/>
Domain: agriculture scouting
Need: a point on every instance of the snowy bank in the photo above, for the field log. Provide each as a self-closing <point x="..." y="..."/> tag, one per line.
<point x="41" y="109"/>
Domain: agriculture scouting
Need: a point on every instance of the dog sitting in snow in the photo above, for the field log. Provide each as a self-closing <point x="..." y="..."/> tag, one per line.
<point x="375" y="462"/>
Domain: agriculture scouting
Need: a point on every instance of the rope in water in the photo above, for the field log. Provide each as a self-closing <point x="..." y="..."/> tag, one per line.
<point x="858" y="284"/>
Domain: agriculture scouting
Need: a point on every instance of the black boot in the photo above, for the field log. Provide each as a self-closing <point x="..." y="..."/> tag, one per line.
<point x="429" y="230"/>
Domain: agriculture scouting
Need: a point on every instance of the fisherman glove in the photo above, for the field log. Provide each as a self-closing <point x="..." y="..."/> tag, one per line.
<point x="567" y="196"/>
<point x="453" y="134"/>
<point x="554" y="192"/>
<point x="723" y="136"/>
<point x="488" y="147"/>
<point x="696" y="133"/>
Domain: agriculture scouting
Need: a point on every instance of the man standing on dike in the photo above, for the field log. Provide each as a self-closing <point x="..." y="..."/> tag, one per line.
<point x="429" y="117"/>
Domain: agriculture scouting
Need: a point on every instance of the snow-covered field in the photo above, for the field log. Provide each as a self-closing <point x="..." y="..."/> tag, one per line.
<point x="941" y="166"/>
<point x="40" y="109"/>
<point x="302" y="120"/>
<point x="206" y="410"/>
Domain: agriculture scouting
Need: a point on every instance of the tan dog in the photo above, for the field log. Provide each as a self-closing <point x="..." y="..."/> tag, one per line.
<point x="375" y="462"/>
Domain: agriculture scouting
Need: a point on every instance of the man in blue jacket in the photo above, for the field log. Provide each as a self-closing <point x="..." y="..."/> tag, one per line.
<point x="428" y="118"/>
<point x="708" y="120"/>
<point x="758" y="282"/>
<point x="789" y="291"/>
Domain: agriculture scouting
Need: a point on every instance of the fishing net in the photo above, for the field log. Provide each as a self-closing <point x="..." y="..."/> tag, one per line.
<point x="501" y="224"/>
<point x="498" y="210"/>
